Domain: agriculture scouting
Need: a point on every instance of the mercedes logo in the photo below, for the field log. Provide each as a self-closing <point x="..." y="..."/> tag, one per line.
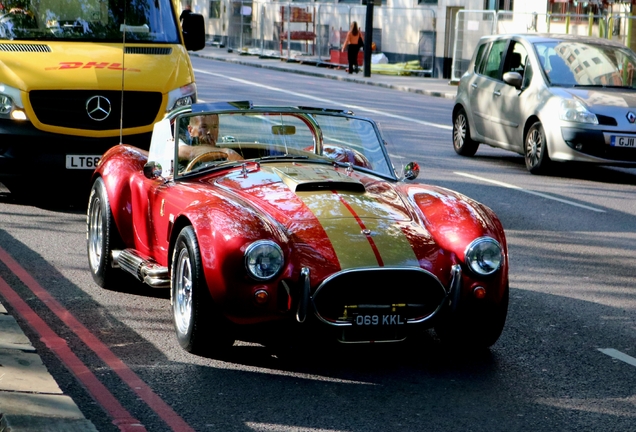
<point x="98" y="108"/>
<point x="631" y="117"/>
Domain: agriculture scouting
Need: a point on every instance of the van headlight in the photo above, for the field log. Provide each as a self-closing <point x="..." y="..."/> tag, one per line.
<point x="263" y="259"/>
<point x="484" y="256"/>
<point x="11" y="106"/>
<point x="182" y="96"/>
<point x="574" y="111"/>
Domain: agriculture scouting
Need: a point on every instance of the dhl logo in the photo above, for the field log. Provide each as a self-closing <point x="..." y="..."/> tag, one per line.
<point x="91" y="65"/>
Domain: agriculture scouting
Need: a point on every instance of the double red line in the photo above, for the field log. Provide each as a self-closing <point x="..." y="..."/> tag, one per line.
<point x="121" y="417"/>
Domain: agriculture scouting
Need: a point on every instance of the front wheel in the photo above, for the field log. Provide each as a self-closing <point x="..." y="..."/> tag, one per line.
<point x="102" y="237"/>
<point x="200" y="327"/>
<point x="536" y="150"/>
<point x="463" y="144"/>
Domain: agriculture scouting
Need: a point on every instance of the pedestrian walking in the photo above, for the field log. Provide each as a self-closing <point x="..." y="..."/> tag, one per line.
<point x="353" y="43"/>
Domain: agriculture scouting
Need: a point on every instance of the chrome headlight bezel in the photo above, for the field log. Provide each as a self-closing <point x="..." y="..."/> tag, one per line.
<point x="484" y="256"/>
<point x="256" y="252"/>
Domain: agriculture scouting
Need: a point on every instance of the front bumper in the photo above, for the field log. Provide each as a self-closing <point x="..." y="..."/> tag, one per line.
<point x="596" y="143"/>
<point x="27" y="152"/>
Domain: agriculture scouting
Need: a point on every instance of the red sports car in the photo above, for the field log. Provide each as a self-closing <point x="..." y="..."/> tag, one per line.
<point x="254" y="215"/>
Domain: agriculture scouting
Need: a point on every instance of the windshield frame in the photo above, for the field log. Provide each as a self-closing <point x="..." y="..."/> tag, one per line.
<point x="307" y="115"/>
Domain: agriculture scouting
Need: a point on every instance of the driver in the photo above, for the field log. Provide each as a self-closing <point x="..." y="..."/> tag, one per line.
<point x="204" y="131"/>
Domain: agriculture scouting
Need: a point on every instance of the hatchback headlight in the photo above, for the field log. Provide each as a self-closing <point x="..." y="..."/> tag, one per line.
<point x="484" y="256"/>
<point x="182" y="96"/>
<point x="574" y="111"/>
<point x="263" y="259"/>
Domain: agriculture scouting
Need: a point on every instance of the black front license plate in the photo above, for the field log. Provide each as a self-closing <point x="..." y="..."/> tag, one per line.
<point x="371" y="320"/>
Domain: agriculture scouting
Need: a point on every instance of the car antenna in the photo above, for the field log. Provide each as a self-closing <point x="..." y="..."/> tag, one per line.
<point x="123" y="75"/>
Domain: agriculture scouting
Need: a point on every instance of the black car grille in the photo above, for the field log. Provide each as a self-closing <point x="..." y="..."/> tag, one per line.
<point x="67" y="108"/>
<point x="415" y="293"/>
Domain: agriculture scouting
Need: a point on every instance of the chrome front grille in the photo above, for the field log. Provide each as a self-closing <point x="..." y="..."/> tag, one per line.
<point x="415" y="293"/>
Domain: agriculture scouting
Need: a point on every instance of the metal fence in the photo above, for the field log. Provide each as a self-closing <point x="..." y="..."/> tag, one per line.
<point x="316" y="31"/>
<point x="471" y="25"/>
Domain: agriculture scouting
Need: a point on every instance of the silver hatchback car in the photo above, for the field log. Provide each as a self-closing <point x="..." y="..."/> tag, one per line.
<point x="549" y="98"/>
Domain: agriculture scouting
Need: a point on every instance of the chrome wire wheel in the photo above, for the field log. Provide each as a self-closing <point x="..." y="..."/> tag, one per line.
<point x="95" y="234"/>
<point x="182" y="290"/>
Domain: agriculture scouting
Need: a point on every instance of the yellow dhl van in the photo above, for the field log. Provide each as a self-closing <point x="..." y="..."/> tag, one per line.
<point x="76" y="77"/>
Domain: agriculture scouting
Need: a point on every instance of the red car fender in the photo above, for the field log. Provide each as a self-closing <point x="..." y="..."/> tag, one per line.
<point x="118" y="165"/>
<point x="454" y="221"/>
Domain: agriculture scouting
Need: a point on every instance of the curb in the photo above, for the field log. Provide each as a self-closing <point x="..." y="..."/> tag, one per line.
<point x="30" y="399"/>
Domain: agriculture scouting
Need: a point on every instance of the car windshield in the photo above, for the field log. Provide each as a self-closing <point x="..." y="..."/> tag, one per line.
<point x="209" y="140"/>
<point x="88" y="20"/>
<point x="569" y="63"/>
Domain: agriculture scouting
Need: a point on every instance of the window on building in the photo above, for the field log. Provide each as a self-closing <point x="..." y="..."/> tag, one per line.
<point x="427" y="2"/>
<point x="504" y="5"/>
<point x="215" y="9"/>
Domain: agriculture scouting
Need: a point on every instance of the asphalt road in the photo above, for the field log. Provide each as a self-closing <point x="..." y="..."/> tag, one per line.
<point x="557" y="367"/>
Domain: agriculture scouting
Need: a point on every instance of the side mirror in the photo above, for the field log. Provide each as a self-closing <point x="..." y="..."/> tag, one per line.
<point x="193" y="32"/>
<point x="411" y="171"/>
<point x="152" y="170"/>
<point x="514" y="79"/>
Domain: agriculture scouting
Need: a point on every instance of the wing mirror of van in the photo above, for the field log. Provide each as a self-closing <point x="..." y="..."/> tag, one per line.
<point x="514" y="79"/>
<point x="193" y="31"/>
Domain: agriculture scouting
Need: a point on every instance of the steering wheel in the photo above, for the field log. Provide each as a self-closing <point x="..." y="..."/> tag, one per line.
<point x="206" y="157"/>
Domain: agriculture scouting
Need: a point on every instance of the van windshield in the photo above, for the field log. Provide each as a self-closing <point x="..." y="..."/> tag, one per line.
<point x="88" y="20"/>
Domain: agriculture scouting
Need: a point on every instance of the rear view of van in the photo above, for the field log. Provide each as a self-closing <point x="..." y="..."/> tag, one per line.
<point x="77" y="77"/>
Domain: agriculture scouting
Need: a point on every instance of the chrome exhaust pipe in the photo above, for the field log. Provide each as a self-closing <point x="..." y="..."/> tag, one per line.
<point x="144" y="269"/>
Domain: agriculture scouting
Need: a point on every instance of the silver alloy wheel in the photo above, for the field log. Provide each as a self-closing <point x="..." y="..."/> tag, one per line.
<point x="95" y="234"/>
<point x="459" y="131"/>
<point x="183" y="292"/>
<point x="534" y="147"/>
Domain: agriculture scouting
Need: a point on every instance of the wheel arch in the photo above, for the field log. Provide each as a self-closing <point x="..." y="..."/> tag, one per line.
<point x="529" y="122"/>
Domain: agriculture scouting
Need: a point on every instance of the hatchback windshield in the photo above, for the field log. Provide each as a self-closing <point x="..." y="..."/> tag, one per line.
<point x="205" y="140"/>
<point x="569" y="63"/>
<point x="88" y="20"/>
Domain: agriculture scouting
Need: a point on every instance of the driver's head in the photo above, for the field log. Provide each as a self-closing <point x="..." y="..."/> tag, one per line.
<point x="205" y="128"/>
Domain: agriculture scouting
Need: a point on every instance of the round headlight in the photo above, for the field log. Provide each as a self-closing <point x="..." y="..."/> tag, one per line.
<point x="263" y="259"/>
<point x="484" y="256"/>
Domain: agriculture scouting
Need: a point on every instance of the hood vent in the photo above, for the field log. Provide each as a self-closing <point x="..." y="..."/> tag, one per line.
<point x="19" y="47"/>
<point x="147" y="50"/>
<point x="330" y="185"/>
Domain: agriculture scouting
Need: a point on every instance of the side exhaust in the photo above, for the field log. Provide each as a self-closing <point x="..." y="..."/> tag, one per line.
<point x="144" y="269"/>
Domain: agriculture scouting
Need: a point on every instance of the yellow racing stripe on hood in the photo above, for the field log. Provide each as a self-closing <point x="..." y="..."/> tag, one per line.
<point x="360" y="241"/>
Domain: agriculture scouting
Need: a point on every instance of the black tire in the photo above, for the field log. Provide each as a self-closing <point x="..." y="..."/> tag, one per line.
<point x="200" y="327"/>
<point x="463" y="144"/>
<point x="474" y="330"/>
<point x="102" y="237"/>
<point x="535" y="150"/>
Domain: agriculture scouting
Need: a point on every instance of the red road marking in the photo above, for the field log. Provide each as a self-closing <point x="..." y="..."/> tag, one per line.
<point x="121" y="417"/>
<point x="357" y="218"/>
<point x="163" y="410"/>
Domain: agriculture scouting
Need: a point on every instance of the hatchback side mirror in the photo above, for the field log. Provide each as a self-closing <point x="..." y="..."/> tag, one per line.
<point x="514" y="79"/>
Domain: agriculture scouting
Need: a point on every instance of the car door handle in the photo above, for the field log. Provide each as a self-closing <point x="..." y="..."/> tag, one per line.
<point x="497" y="93"/>
<point x="473" y="85"/>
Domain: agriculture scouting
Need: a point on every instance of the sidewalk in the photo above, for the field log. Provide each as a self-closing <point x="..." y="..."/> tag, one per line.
<point x="415" y="84"/>
<point x="30" y="399"/>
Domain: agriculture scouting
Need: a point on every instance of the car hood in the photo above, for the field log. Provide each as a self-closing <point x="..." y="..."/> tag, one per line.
<point x="598" y="99"/>
<point x="77" y="65"/>
<point x="360" y="218"/>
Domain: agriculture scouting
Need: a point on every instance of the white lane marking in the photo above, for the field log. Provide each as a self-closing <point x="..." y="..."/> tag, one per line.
<point x="542" y="195"/>
<point x="329" y="101"/>
<point x="618" y="355"/>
